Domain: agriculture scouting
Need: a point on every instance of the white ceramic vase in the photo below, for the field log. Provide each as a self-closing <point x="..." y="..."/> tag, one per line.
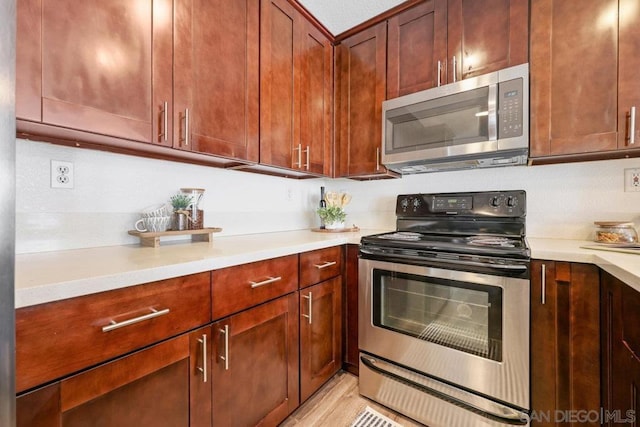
<point x="334" y="225"/>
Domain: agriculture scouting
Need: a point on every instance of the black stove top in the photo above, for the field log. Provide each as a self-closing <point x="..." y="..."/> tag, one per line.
<point x="486" y="224"/>
<point x="497" y="245"/>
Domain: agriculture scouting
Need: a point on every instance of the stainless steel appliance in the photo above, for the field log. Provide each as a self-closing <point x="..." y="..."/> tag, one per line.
<point x="7" y="210"/>
<point x="444" y="310"/>
<point x="474" y="123"/>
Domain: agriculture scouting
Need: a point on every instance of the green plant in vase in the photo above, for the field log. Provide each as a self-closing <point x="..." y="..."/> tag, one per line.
<point x="180" y="203"/>
<point x="333" y="215"/>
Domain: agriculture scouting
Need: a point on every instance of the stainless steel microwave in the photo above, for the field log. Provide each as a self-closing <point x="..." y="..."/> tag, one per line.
<point x="474" y="123"/>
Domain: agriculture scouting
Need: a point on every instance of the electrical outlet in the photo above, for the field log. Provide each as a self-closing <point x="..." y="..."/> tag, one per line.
<point x="632" y="180"/>
<point x="61" y="174"/>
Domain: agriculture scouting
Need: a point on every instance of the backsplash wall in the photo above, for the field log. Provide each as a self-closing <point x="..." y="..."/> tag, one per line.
<point x="110" y="189"/>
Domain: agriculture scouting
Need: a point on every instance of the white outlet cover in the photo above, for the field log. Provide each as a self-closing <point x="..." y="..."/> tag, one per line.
<point x="61" y="174"/>
<point x="632" y="180"/>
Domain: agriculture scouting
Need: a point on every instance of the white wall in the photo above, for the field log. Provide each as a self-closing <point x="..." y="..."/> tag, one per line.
<point x="110" y="190"/>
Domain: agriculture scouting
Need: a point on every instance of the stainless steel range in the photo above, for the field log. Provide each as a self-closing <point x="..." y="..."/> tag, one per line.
<point x="444" y="310"/>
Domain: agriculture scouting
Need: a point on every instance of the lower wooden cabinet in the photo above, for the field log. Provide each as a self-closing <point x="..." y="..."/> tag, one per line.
<point x="320" y="334"/>
<point x="150" y="387"/>
<point x="620" y="305"/>
<point x="255" y="364"/>
<point x="350" y="360"/>
<point x="565" y="347"/>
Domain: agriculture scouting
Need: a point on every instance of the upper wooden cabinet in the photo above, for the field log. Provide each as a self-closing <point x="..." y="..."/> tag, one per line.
<point x="108" y="73"/>
<point x="296" y="76"/>
<point x="101" y="67"/>
<point x="417" y="48"/>
<point x="360" y="85"/>
<point x="583" y="78"/>
<point x="440" y="41"/>
<point x="485" y="36"/>
<point x="216" y="55"/>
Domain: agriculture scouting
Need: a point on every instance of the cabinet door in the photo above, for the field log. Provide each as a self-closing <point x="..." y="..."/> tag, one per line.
<point x="417" y="48"/>
<point x="320" y="334"/>
<point x="628" y="66"/>
<point x="161" y="385"/>
<point x="316" y="101"/>
<point x="279" y="84"/>
<point x="106" y="66"/>
<point x="361" y="86"/>
<point x="39" y="408"/>
<point x="621" y="351"/>
<point x="486" y="36"/>
<point x="574" y="76"/>
<point x="28" y="60"/>
<point x="255" y="364"/>
<point x="216" y="77"/>
<point x="565" y="350"/>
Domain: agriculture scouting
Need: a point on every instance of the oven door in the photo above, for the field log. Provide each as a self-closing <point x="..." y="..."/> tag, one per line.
<point x="469" y="330"/>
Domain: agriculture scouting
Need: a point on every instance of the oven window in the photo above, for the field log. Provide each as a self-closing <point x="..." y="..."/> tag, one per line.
<point x="459" y="315"/>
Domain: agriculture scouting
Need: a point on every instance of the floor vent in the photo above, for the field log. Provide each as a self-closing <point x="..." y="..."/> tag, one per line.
<point x="371" y="418"/>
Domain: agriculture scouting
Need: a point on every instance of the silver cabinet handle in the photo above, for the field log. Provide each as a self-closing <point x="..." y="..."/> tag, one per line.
<point x="203" y="369"/>
<point x="455" y="68"/>
<point x="310" y="306"/>
<point x="439" y="73"/>
<point x="544" y="285"/>
<point x="298" y="164"/>
<point x="186" y="128"/>
<point x="225" y="331"/>
<point x="116" y="325"/>
<point x="632" y="126"/>
<point x="306" y="166"/>
<point x="165" y="121"/>
<point x="325" y="265"/>
<point x="377" y="158"/>
<point x="265" y="282"/>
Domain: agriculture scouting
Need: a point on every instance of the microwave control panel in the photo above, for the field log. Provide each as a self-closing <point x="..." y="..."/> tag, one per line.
<point x="510" y="108"/>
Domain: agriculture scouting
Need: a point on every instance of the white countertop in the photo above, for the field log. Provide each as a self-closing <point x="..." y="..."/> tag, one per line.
<point x="51" y="276"/>
<point x="625" y="267"/>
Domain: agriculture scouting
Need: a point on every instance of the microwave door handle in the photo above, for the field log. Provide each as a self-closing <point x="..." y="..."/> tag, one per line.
<point x="492" y="117"/>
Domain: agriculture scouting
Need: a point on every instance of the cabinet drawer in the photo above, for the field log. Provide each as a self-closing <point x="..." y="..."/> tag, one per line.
<point x="320" y="265"/>
<point x="240" y="287"/>
<point x="58" y="338"/>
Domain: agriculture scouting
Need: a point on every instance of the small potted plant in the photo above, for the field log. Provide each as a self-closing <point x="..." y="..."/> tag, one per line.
<point x="180" y="203"/>
<point x="333" y="214"/>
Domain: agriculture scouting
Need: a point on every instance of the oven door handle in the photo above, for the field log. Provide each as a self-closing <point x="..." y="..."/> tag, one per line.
<point x="515" y="418"/>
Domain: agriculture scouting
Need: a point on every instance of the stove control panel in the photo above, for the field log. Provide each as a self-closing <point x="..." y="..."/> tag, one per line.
<point x="510" y="203"/>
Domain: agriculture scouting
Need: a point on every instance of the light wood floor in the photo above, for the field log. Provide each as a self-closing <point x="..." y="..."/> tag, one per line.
<point x="337" y="404"/>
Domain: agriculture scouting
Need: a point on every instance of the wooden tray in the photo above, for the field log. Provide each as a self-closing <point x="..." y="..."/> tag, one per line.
<point x="336" y="230"/>
<point x="152" y="239"/>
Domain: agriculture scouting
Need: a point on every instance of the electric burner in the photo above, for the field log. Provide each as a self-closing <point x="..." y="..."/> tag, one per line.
<point x="478" y="226"/>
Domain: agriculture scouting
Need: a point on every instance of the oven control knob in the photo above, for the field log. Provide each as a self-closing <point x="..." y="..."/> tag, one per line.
<point x="512" y="202"/>
<point x="404" y="204"/>
<point x="495" y="201"/>
<point x="416" y="204"/>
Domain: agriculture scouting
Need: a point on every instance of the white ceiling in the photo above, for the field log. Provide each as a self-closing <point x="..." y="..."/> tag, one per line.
<point x="340" y="15"/>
